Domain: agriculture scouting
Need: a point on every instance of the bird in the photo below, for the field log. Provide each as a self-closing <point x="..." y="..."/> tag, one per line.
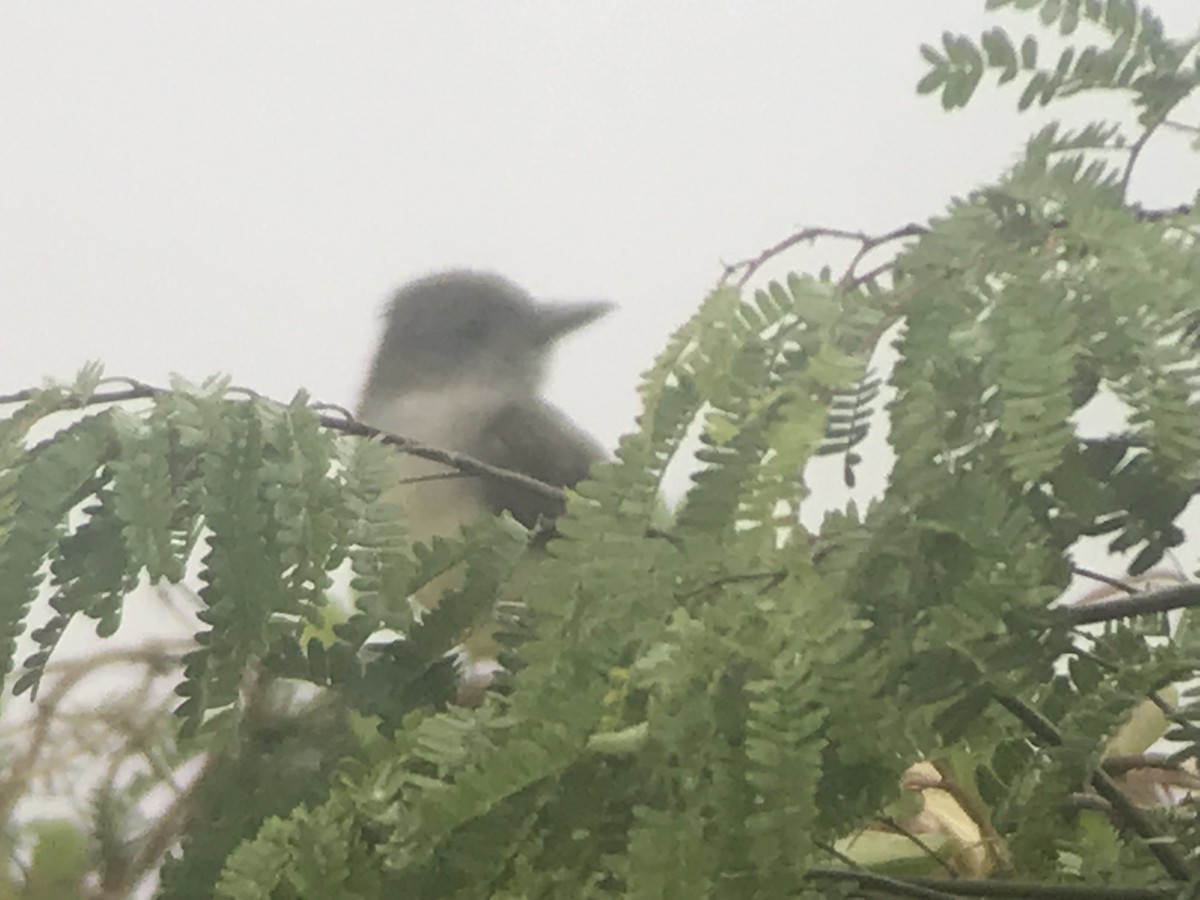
<point x="460" y="366"/>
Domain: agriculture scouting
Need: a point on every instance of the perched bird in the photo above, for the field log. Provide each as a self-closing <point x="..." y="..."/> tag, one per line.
<point x="460" y="367"/>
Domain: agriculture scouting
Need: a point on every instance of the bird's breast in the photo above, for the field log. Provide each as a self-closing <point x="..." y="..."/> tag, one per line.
<point x="437" y="499"/>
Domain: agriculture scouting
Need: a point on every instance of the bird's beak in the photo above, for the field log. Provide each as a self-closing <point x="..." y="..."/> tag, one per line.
<point x="560" y="319"/>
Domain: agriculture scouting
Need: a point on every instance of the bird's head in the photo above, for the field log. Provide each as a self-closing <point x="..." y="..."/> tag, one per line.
<point x="463" y="327"/>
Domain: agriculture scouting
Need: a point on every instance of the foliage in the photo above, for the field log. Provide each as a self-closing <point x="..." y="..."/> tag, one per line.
<point x="723" y="706"/>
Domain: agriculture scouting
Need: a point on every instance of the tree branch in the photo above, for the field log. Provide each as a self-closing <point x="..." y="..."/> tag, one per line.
<point x="977" y="887"/>
<point x="1162" y="600"/>
<point x="331" y="416"/>
<point x="1104" y="579"/>
<point x="867" y="243"/>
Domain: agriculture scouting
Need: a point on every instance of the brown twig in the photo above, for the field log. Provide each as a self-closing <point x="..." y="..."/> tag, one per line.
<point x="1162" y="600"/>
<point x="902" y="888"/>
<point x="978" y="887"/>
<point x="342" y="422"/>
<point x="850" y="283"/>
<point x="871" y="243"/>
<point x="891" y="825"/>
<point x="748" y="267"/>
<point x="1104" y="579"/>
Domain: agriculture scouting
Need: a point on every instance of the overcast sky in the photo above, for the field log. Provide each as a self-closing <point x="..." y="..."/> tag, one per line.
<point x="237" y="186"/>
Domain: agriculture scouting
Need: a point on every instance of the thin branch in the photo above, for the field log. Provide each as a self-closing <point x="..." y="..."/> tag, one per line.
<point x="1135" y="151"/>
<point x="1172" y="125"/>
<point x="978" y="887"/>
<point x="1104" y="579"/>
<point x="1150" y="602"/>
<point x="897" y="887"/>
<point x="747" y="267"/>
<point x="1120" y="764"/>
<point x="895" y="827"/>
<point x="341" y="421"/>
<point x="869" y="244"/>
<point x="436" y="476"/>
<point x="1158" y="215"/>
<point x="851" y="282"/>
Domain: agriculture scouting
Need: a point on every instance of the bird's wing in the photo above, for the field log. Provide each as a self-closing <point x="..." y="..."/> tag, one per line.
<point x="536" y="440"/>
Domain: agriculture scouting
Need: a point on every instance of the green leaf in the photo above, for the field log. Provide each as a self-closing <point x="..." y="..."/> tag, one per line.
<point x="1029" y="50"/>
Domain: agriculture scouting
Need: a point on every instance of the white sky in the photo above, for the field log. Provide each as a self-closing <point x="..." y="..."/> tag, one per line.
<point x="236" y="187"/>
